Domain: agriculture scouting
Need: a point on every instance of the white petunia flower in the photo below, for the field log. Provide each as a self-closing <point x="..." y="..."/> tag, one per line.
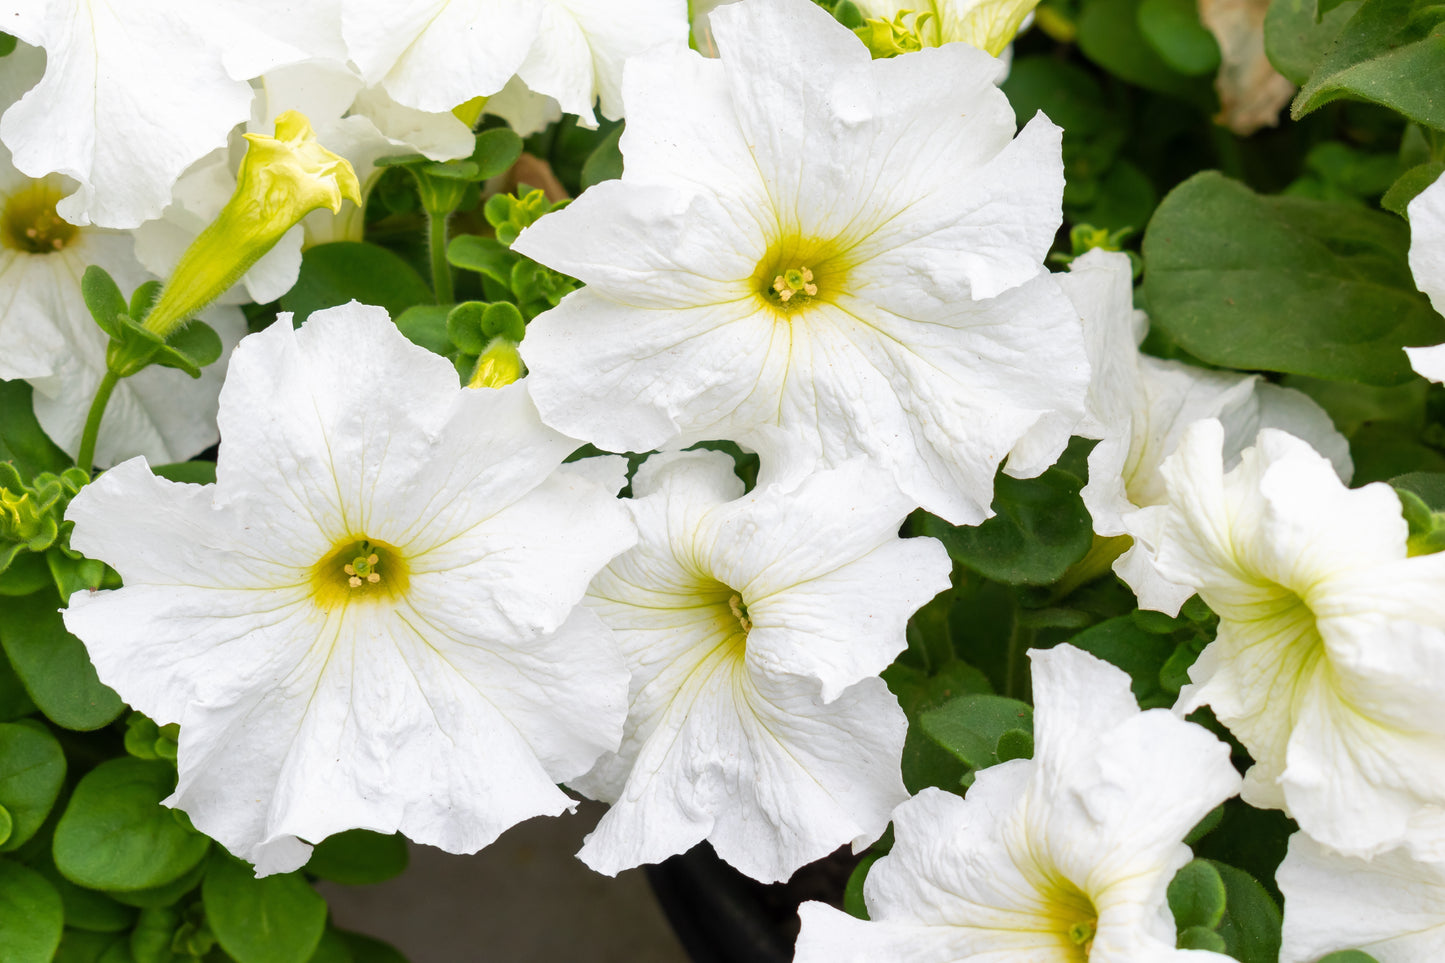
<point x="1427" y="263"/>
<point x="806" y="238"/>
<point x="135" y="93"/>
<point x="48" y="338"/>
<point x="1329" y="664"/>
<point x="1391" y="906"/>
<point x="755" y="628"/>
<point x="1140" y="406"/>
<point x="437" y="54"/>
<point x="368" y="621"/>
<point x="1058" y="859"/>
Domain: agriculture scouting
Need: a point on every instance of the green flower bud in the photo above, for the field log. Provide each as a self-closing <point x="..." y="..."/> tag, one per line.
<point x="500" y="364"/>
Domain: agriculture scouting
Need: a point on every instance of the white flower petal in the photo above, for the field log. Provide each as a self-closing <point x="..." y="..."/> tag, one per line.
<point x="448" y="695"/>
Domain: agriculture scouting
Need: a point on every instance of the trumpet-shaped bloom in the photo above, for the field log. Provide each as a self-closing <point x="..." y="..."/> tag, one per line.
<point x="47" y="336"/>
<point x="1427" y="263"/>
<point x="809" y="239"/>
<point x="136" y="92"/>
<point x="368" y="621"/>
<point x="1059" y="859"/>
<point x="436" y="54"/>
<point x="1140" y="406"/>
<point x="754" y="628"/>
<point x="1329" y="664"/>
<point x="1391" y="906"/>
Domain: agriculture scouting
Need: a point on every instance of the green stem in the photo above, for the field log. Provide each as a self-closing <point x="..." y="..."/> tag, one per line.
<point x="1016" y="669"/>
<point x="441" y="271"/>
<point x="86" y="458"/>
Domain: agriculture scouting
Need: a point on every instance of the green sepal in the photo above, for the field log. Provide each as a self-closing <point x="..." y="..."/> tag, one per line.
<point x="426" y="325"/>
<point x="1201" y="938"/>
<point x="192" y="348"/>
<point x="464" y="327"/>
<point x="143" y="298"/>
<point x="146" y="740"/>
<point x="1197" y="896"/>
<point x="104" y="300"/>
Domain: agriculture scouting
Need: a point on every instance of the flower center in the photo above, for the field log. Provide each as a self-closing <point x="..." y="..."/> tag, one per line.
<point x="798" y="271"/>
<point x="1081" y="934"/>
<point x="795" y="282"/>
<point x="29" y="222"/>
<point x="359" y="570"/>
<point x="740" y="612"/>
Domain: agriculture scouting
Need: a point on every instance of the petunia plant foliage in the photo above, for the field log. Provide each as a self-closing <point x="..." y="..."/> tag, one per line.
<point x="989" y="452"/>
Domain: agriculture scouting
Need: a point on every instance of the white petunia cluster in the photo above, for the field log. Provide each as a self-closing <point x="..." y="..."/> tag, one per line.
<point x="402" y="607"/>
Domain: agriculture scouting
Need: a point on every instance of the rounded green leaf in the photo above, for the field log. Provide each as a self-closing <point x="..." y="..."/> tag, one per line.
<point x="853" y="902"/>
<point x="339" y="272"/>
<point x="31" y="915"/>
<point x="157" y="897"/>
<point x="970" y="726"/>
<point x="32" y="769"/>
<point x="497" y="150"/>
<point x="1251" y="925"/>
<point x="278" y="919"/>
<point x="1173" y="29"/>
<point x="1196" y="896"/>
<point x="1284" y="283"/>
<point x="53" y="665"/>
<point x="359" y="857"/>
<point x="115" y="834"/>
<point x="1039" y="529"/>
<point x="82" y="946"/>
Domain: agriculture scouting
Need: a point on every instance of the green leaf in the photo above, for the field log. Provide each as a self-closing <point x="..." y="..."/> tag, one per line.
<point x="15" y="702"/>
<point x="497" y="150"/>
<point x="1122" y="642"/>
<point x="1429" y="486"/>
<point x="150" y="941"/>
<point x="166" y="894"/>
<point x="83" y="946"/>
<point x="1348" y="956"/>
<point x="1173" y="29"/>
<point x="278" y="919"/>
<point x="72" y="575"/>
<point x="86" y="909"/>
<point x="31" y="915"/>
<point x="1392" y="53"/>
<point x="1409" y="185"/>
<point x="339" y="272"/>
<point x="27" y="574"/>
<point x="485" y="255"/>
<point x="925" y="762"/>
<point x="1070" y="95"/>
<point x="853" y="902"/>
<point x="22" y="440"/>
<point x="1040" y="528"/>
<point x="189" y="472"/>
<point x="7" y="44"/>
<point x="1295" y="41"/>
<point x="1196" y="896"/>
<point x="103" y="299"/>
<point x="359" y="857"/>
<point x="53" y="665"/>
<point x="1284" y="284"/>
<point x="115" y="834"/>
<point x="332" y="949"/>
<point x="1251" y="924"/>
<point x="971" y="726"/>
<point x="367" y="949"/>
<point x="605" y="161"/>
<point x="426" y="325"/>
<point x="32" y="770"/>
<point x="1109" y="35"/>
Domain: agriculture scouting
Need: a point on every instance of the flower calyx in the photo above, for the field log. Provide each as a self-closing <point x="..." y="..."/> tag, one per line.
<point x="445" y="186"/>
<point x="903" y="33"/>
<point x="484" y="341"/>
<point x="32" y="520"/>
